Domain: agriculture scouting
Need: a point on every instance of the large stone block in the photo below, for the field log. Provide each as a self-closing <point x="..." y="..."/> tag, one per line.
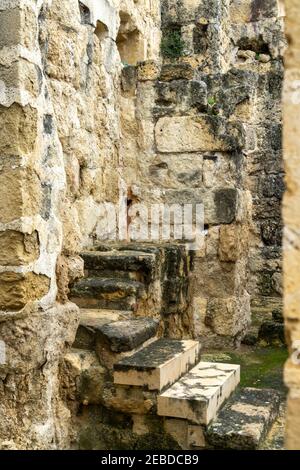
<point x="17" y="289"/>
<point x="198" y="395"/>
<point x="245" y="420"/>
<point x="10" y="27"/>
<point x="20" y="194"/>
<point x="229" y="317"/>
<point x="157" y="365"/>
<point x="233" y="242"/>
<point x="194" y="134"/>
<point x="18" y="129"/>
<point x="18" y="248"/>
<point x="84" y="376"/>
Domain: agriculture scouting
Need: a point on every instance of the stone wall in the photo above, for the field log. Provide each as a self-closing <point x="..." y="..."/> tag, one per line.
<point x="92" y="103"/>
<point x="208" y="125"/>
<point x="60" y="70"/>
<point x="291" y="220"/>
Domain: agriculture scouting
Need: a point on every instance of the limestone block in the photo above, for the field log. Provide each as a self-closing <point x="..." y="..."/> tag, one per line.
<point x="21" y="77"/>
<point x="130" y="400"/>
<point x="178" y="429"/>
<point x="245" y="11"/>
<point x="232" y="242"/>
<point x="148" y="70"/>
<point x="196" y="437"/>
<point x="157" y="365"/>
<point x="199" y="314"/>
<point x="16" y="290"/>
<point x="18" y="248"/>
<point x="230" y="316"/>
<point x="194" y="134"/>
<point x="176" y="72"/>
<point x="199" y="395"/>
<point x="245" y="420"/>
<point x="139" y="426"/>
<point x="10" y="27"/>
<point x="20" y="194"/>
<point x="85" y="377"/>
<point x="18" y="129"/>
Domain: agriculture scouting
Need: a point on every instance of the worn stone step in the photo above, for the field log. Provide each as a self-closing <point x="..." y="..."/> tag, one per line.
<point x="91" y="320"/>
<point x="199" y="394"/>
<point x="107" y="293"/>
<point x="126" y="335"/>
<point x="128" y="263"/>
<point x="158" y="365"/>
<point x="245" y="420"/>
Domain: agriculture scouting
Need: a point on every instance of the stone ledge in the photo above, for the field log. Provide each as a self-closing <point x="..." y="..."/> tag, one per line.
<point x="245" y="419"/>
<point x="199" y="394"/>
<point x="158" y="365"/>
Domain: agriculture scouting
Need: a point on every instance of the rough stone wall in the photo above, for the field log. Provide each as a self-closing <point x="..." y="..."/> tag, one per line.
<point x="77" y="116"/>
<point x="59" y="120"/>
<point x="208" y="123"/>
<point x="34" y="328"/>
<point x="291" y="220"/>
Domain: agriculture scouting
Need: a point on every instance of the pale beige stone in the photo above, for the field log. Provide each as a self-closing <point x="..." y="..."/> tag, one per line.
<point x="196" y="437"/>
<point x="186" y="134"/>
<point x="157" y="377"/>
<point x="200" y="393"/>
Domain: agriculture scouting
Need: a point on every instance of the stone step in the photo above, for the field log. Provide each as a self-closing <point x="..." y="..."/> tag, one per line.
<point x="158" y="365"/>
<point x="91" y="320"/>
<point x="126" y="335"/>
<point x="136" y="265"/>
<point x="199" y="394"/>
<point x="107" y="293"/>
<point x="245" y="420"/>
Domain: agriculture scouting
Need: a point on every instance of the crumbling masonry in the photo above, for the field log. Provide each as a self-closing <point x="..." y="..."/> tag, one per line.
<point x="177" y="102"/>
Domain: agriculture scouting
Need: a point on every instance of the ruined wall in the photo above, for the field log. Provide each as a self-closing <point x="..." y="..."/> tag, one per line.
<point x="34" y="328"/>
<point x="79" y="117"/>
<point x="208" y="125"/>
<point x="59" y="83"/>
<point x="291" y="220"/>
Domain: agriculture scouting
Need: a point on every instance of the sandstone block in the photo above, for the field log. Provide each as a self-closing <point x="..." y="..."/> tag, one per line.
<point x="18" y="129"/>
<point x="18" y="248"/>
<point x="20" y="194"/>
<point x="16" y="290"/>
<point x="148" y="70"/>
<point x="194" y="134"/>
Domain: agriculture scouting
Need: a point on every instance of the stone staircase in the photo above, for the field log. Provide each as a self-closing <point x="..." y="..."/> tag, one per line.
<point x="120" y="363"/>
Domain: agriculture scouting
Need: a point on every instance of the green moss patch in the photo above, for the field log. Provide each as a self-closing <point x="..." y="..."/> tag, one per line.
<point x="260" y="367"/>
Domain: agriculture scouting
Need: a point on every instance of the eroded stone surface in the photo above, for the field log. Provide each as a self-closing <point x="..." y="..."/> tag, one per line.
<point x="245" y="419"/>
<point x="90" y="322"/>
<point x="127" y="335"/>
